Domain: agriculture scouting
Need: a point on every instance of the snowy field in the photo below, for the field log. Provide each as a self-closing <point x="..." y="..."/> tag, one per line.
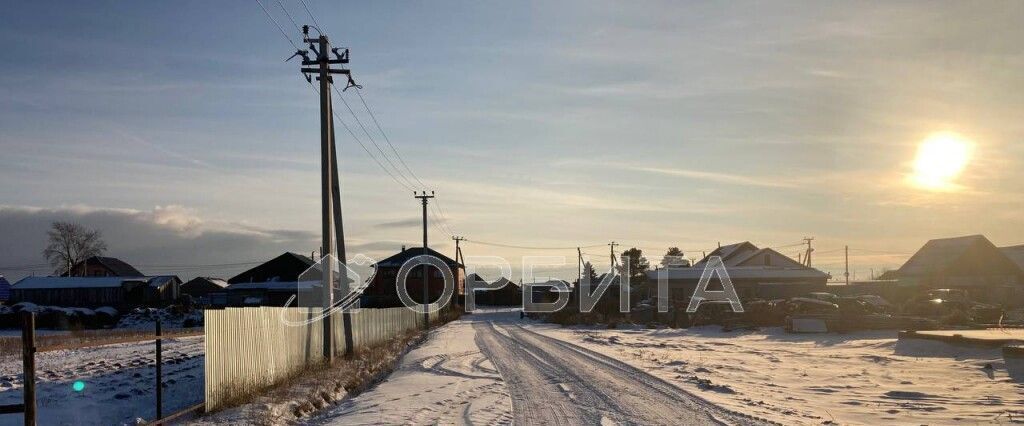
<point x="119" y="382"/>
<point x="854" y="378"/>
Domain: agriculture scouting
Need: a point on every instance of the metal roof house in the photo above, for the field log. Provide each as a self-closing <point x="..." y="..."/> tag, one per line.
<point x="756" y="273"/>
<point x="971" y="263"/>
<point x="97" y="291"/>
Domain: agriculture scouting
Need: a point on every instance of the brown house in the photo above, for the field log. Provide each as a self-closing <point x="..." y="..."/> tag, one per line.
<point x="382" y="291"/>
<point x="100" y="266"/>
<point x="970" y="263"/>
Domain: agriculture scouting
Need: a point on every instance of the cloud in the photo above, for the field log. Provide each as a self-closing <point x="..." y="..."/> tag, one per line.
<point x="404" y="223"/>
<point x="153" y="240"/>
<point x="735" y="179"/>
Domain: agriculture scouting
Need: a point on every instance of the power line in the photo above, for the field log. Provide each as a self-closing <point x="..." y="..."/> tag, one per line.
<point x="485" y="243"/>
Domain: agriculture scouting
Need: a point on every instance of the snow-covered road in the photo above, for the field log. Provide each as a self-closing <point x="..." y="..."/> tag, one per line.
<point x="488" y="368"/>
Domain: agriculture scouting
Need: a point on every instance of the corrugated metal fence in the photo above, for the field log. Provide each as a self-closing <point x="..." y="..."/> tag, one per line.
<point x="252" y="348"/>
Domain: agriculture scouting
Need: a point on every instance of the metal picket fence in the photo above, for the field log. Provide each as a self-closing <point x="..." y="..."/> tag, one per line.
<point x="248" y="349"/>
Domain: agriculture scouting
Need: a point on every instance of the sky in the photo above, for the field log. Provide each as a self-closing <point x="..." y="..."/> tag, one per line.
<point x="179" y="131"/>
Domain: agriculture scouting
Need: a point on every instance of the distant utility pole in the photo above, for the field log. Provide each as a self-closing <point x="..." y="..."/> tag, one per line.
<point x="330" y="194"/>
<point x="579" y="266"/>
<point x="847" y="273"/>
<point x="426" y="293"/>
<point x="612" y="250"/>
<point x="458" y="250"/>
<point x="807" y="255"/>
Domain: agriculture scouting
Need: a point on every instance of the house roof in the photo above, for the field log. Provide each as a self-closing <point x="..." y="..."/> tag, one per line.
<point x="219" y="282"/>
<point x="735" y="272"/>
<point x="276" y="285"/>
<point x="938" y="254"/>
<point x="116" y="266"/>
<point x="162" y="280"/>
<point x="728" y="251"/>
<point x="396" y="260"/>
<point x="1015" y="253"/>
<point x="286" y="267"/>
<point x="38" y="283"/>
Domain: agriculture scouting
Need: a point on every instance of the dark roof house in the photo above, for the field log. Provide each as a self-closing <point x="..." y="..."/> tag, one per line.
<point x="286" y="267"/>
<point x="1015" y="253"/>
<point x="202" y="286"/>
<point x="383" y="290"/>
<point x="959" y="261"/>
<point x="100" y="266"/>
<point x="97" y="291"/>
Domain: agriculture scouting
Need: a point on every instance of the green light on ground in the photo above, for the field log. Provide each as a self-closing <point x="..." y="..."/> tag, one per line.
<point x="78" y="386"/>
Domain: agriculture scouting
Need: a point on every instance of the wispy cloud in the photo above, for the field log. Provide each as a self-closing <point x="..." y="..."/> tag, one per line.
<point x="734" y="179"/>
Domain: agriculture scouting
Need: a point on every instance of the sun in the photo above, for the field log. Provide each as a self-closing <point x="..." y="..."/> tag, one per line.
<point x="941" y="157"/>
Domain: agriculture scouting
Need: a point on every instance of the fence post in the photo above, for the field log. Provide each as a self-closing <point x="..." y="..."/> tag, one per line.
<point x="28" y="360"/>
<point x="346" y="319"/>
<point x="159" y="373"/>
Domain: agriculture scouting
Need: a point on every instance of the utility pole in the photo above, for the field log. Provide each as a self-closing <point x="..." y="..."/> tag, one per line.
<point x="612" y="250"/>
<point x="579" y="266"/>
<point x="807" y="255"/>
<point x="847" y="273"/>
<point x="458" y="251"/>
<point x="330" y="197"/>
<point x="426" y="289"/>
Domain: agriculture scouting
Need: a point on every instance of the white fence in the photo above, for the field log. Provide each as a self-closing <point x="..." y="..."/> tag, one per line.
<point x="252" y="348"/>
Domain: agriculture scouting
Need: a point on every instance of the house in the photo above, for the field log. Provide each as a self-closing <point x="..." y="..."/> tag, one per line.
<point x="286" y="267"/>
<point x="120" y="292"/>
<point x="970" y="263"/>
<point x="548" y="291"/>
<point x="508" y="293"/>
<point x="5" y="289"/>
<point x="100" y="266"/>
<point x="1015" y="253"/>
<point x="275" y="293"/>
<point x="756" y="273"/>
<point x="206" y="290"/>
<point x="383" y="292"/>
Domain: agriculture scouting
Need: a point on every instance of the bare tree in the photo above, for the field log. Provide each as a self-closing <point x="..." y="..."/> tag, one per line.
<point x="71" y="243"/>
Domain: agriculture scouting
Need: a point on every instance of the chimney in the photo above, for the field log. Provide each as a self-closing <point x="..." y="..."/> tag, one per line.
<point x="403" y="247"/>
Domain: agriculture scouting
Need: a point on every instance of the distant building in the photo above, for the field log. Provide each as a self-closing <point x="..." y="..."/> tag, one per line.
<point x="508" y="294"/>
<point x="286" y="267"/>
<point x="756" y="273"/>
<point x="118" y="292"/>
<point x="970" y="263"/>
<point x="5" y="289"/>
<point x="99" y="266"/>
<point x="1015" y="253"/>
<point x="206" y="290"/>
<point x="382" y="291"/>
<point x="274" y="293"/>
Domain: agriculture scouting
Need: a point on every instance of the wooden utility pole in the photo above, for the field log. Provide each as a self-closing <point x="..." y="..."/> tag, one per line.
<point x="807" y="255"/>
<point x="426" y="288"/>
<point x="579" y="266"/>
<point x="458" y="250"/>
<point x="612" y="251"/>
<point x="847" y="248"/>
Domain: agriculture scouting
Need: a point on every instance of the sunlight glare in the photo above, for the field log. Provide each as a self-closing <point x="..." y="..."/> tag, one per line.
<point x="941" y="157"/>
